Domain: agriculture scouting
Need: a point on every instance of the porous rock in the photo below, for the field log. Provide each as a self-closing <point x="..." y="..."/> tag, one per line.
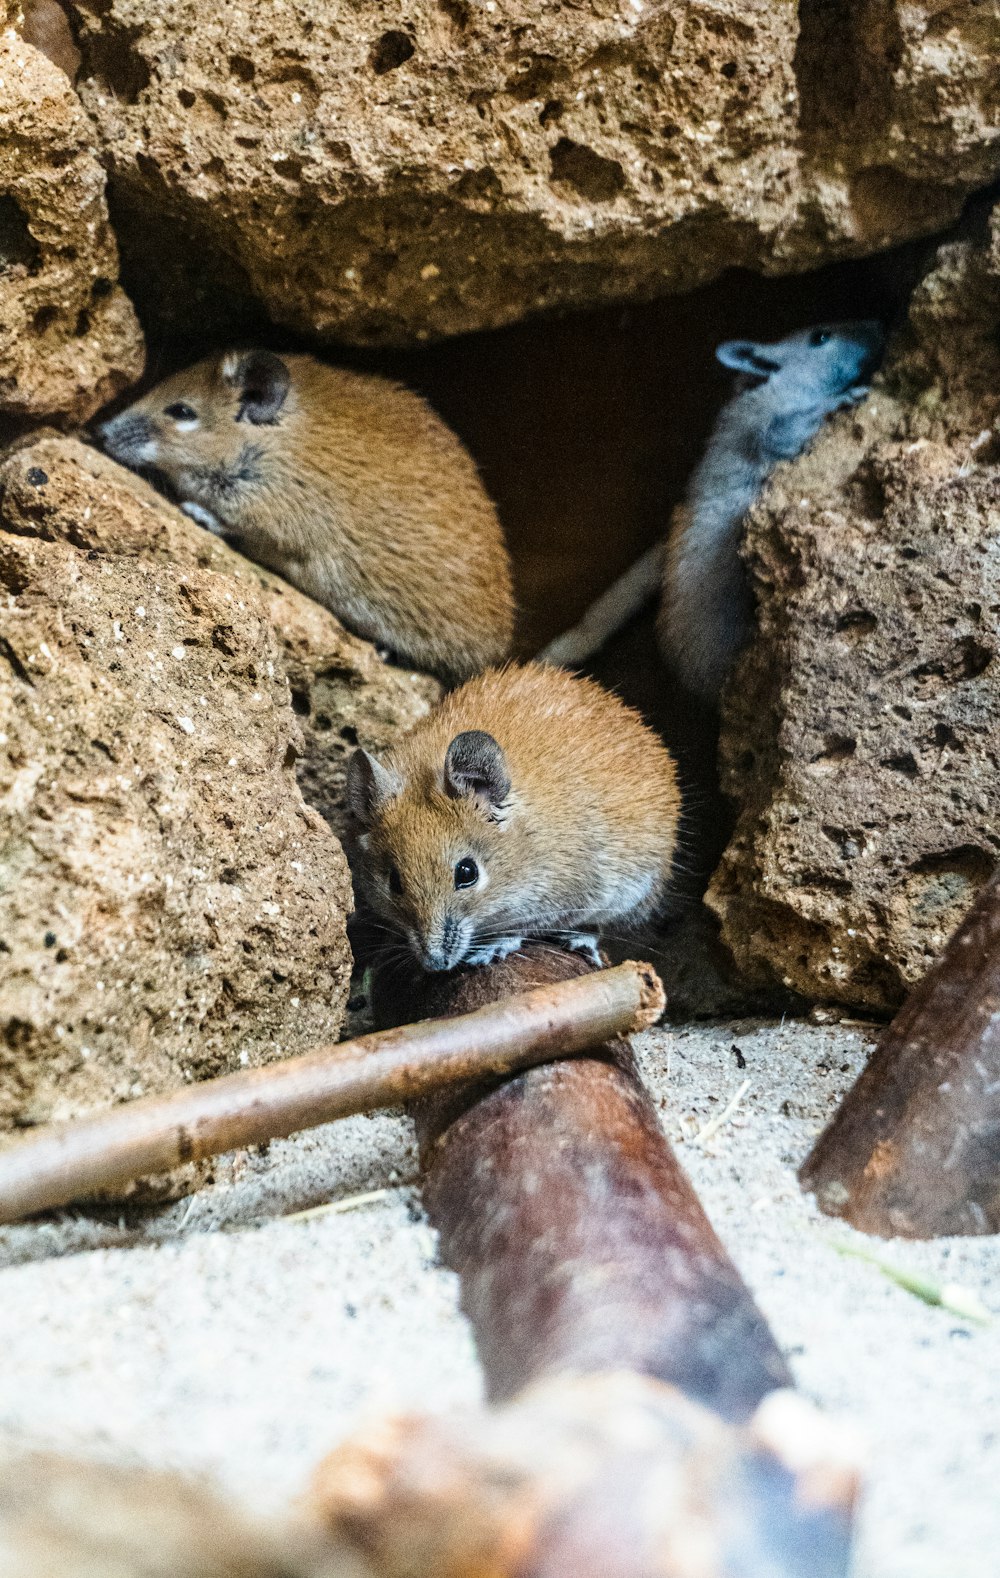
<point x="69" y="339"/>
<point x="170" y="908"/>
<point x="382" y="174"/>
<point x="861" y="733"/>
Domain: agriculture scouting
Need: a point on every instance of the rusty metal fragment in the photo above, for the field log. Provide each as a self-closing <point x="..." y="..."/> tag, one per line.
<point x="914" y="1149"/>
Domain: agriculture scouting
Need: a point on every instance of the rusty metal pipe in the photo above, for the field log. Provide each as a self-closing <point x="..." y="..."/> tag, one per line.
<point x="580" y="1243"/>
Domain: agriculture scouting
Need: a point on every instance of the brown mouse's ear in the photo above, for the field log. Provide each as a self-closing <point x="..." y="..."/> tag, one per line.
<point x="262" y="380"/>
<point x="369" y="785"/>
<point x="476" y="765"/>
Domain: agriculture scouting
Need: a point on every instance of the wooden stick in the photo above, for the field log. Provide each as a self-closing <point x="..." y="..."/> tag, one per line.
<point x="577" y="1236"/>
<point x="914" y="1149"/>
<point x="72" y="1160"/>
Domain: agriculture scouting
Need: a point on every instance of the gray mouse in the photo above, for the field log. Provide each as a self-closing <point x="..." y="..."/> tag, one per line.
<point x="785" y="390"/>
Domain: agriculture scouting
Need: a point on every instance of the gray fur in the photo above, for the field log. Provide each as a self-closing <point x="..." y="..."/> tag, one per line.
<point x="786" y="390"/>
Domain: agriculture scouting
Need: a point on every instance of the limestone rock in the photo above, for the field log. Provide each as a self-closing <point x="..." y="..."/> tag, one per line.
<point x="69" y="339"/>
<point x="169" y="906"/>
<point x="380" y="175"/>
<point x="861" y="736"/>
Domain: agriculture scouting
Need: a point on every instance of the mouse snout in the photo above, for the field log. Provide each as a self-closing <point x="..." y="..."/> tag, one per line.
<point x="129" y="437"/>
<point x="443" y="947"/>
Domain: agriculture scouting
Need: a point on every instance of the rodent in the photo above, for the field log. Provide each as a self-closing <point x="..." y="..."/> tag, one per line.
<point x="346" y="484"/>
<point x="786" y="389"/>
<point x="529" y="803"/>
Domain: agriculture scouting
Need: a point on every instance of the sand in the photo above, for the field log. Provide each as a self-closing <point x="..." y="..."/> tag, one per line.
<point x="220" y="1336"/>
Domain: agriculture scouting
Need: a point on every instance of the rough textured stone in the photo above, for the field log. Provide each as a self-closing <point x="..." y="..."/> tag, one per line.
<point x="169" y="906"/>
<point x="862" y="733"/>
<point x="342" y="692"/>
<point x="383" y="175"/>
<point x="69" y="340"/>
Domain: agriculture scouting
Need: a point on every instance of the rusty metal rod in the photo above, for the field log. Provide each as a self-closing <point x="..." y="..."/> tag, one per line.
<point x="914" y="1149"/>
<point x="70" y="1161"/>
<point x="580" y="1243"/>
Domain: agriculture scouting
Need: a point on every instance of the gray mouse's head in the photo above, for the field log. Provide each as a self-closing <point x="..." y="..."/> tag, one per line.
<point x="818" y="365"/>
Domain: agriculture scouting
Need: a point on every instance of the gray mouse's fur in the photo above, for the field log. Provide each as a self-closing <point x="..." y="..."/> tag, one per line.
<point x="786" y="390"/>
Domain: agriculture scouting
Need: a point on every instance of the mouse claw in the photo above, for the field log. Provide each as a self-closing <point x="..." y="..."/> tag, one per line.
<point x="585" y="942"/>
<point x="852" y="396"/>
<point x="491" y="951"/>
<point x="204" y="518"/>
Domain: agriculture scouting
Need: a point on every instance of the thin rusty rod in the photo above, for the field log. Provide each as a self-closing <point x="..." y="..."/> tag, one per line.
<point x="70" y="1161"/>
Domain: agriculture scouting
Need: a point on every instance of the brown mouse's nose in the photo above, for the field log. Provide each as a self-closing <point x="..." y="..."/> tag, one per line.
<point x="443" y="947"/>
<point x="125" y="437"/>
<point x="435" y="960"/>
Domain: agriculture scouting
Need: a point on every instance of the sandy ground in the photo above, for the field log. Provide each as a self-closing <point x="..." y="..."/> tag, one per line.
<point x="216" y="1337"/>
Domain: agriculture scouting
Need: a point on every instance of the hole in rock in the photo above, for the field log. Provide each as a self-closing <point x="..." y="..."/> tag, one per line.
<point x="114" y="60"/>
<point x="837" y="748"/>
<point x="595" y="178"/>
<point x="391" y="51"/>
<point x="458" y="11"/>
<point x="905" y="763"/>
<point x="242" y="67"/>
<point x="975" y="865"/>
<point x="857" y="623"/>
<point x="18" y="247"/>
<point x="44" y="318"/>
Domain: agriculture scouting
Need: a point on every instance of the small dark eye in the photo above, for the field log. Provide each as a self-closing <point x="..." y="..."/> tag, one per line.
<point x="819" y="336"/>
<point x="466" y="873"/>
<point x="181" y="412"/>
<point x="395" y="881"/>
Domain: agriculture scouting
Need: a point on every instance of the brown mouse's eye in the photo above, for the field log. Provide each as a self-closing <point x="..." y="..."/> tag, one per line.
<point x="819" y="336"/>
<point x="466" y="873"/>
<point x="179" y="412"/>
<point x="395" y="881"/>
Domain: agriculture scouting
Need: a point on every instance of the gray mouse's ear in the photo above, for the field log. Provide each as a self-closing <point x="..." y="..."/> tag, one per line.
<point x="744" y="356"/>
<point x="369" y="786"/>
<point x="476" y="766"/>
<point x="262" y="380"/>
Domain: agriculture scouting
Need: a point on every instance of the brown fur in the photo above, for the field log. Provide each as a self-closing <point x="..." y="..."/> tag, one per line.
<point x="584" y="838"/>
<point x="356" y="492"/>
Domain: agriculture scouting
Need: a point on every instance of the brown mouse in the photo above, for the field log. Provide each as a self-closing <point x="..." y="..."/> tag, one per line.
<point x="348" y="485"/>
<point x="530" y="803"/>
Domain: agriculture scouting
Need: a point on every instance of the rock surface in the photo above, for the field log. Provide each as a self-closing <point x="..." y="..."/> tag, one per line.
<point x="69" y="339"/>
<point x="379" y="175"/>
<point x="170" y="908"/>
<point x="862" y="734"/>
